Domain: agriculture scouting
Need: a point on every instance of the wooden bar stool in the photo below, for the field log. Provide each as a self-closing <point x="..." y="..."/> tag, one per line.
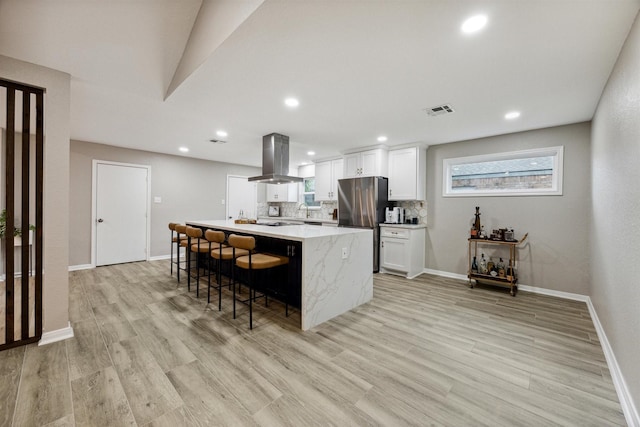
<point x="196" y="244"/>
<point x="220" y="252"/>
<point x="251" y="263"/>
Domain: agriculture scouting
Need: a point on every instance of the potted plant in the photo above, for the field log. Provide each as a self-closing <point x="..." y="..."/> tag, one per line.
<point x="17" y="231"/>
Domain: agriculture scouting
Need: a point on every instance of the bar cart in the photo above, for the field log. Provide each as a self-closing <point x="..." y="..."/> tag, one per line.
<point x="508" y="280"/>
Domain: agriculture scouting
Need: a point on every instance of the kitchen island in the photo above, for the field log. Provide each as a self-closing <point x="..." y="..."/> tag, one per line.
<point x="332" y="266"/>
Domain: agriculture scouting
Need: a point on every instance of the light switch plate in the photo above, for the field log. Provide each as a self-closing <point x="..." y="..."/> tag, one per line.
<point x="157" y="199"/>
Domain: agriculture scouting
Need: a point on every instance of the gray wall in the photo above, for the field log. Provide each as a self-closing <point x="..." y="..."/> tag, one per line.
<point x="615" y="229"/>
<point x="191" y="189"/>
<point x="555" y="255"/>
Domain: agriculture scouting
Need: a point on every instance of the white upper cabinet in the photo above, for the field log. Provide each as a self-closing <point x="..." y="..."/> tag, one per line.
<point x="407" y="174"/>
<point x="282" y="192"/>
<point x="366" y="163"/>
<point x="327" y="175"/>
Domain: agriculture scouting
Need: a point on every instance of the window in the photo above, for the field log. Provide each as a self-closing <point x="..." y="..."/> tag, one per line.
<point x="309" y="192"/>
<point x="518" y="173"/>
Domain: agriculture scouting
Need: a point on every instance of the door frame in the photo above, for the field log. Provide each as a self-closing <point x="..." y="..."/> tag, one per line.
<point x="94" y="200"/>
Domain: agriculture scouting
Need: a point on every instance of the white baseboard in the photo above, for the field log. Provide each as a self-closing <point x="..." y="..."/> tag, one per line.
<point x="57" y="335"/>
<point x="554" y="293"/>
<point x="81" y="267"/>
<point x="446" y="274"/>
<point x="168" y="256"/>
<point x="626" y="401"/>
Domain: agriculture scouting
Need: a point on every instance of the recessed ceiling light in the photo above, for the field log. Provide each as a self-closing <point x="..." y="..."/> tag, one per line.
<point x="512" y="115"/>
<point x="473" y="24"/>
<point x="184" y="149"/>
<point x="221" y="133"/>
<point x="382" y="138"/>
<point x="311" y="153"/>
<point x="291" y="102"/>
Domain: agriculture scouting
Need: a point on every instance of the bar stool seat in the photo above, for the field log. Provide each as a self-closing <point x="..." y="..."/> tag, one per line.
<point x="259" y="261"/>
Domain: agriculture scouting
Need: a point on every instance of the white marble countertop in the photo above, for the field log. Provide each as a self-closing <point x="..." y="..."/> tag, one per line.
<point x="409" y="226"/>
<point x="297" y="232"/>
<point x="299" y="219"/>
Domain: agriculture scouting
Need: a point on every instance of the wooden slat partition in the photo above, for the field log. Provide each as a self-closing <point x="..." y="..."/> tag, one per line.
<point x="30" y="294"/>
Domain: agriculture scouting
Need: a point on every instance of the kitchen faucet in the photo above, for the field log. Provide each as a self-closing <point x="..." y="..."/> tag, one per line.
<point x="307" y="207"/>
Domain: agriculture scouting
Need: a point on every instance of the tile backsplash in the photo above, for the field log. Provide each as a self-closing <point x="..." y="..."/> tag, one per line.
<point x="413" y="209"/>
<point x="296" y="210"/>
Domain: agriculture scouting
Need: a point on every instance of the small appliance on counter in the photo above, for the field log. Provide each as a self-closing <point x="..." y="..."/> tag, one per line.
<point x="274" y="210"/>
<point x="394" y="215"/>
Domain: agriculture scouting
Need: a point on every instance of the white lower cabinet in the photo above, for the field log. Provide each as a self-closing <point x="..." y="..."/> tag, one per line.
<point x="402" y="250"/>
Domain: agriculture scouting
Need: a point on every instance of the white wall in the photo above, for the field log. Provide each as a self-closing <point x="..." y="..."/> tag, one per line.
<point x="555" y="255"/>
<point x="191" y="189"/>
<point x="56" y="184"/>
<point x="615" y="229"/>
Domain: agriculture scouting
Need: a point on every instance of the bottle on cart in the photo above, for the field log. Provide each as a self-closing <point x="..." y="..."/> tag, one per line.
<point x="474" y="265"/>
<point x="501" y="269"/>
<point x="476" y="223"/>
<point x="482" y="234"/>
<point x="510" y="271"/>
<point x="490" y="265"/>
<point x="482" y="267"/>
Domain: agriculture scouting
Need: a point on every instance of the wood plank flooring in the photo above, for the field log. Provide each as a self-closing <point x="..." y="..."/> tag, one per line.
<point x="427" y="352"/>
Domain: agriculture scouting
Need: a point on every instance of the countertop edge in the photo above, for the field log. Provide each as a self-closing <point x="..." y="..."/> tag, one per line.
<point x="406" y="226"/>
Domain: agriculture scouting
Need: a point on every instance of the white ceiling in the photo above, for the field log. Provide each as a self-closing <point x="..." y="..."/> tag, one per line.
<point x="359" y="68"/>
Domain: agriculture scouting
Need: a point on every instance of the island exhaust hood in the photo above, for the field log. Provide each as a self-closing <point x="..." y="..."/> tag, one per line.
<point x="275" y="161"/>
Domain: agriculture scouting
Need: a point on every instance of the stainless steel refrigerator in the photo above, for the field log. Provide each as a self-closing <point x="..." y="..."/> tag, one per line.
<point x="361" y="204"/>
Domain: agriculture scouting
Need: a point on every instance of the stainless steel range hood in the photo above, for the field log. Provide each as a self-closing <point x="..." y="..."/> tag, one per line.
<point x="275" y="161"/>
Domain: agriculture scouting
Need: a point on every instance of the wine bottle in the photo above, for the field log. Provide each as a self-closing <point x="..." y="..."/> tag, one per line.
<point x="510" y="275"/>
<point x="501" y="271"/>
<point x="482" y="267"/>
<point x="476" y="223"/>
<point x="474" y="265"/>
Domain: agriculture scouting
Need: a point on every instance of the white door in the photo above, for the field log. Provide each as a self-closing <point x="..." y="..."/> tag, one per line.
<point x="242" y="195"/>
<point x="121" y="203"/>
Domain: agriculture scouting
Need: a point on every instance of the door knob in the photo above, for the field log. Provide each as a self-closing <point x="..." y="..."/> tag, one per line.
<point x="100" y="220"/>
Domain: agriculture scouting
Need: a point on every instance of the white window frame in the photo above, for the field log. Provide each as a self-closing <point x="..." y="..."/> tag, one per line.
<point x="311" y="208"/>
<point x="556" y="182"/>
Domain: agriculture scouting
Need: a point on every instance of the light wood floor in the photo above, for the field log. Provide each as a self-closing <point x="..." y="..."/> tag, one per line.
<point x="428" y="351"/>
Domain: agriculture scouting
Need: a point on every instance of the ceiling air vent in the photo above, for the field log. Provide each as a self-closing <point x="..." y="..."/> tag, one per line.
<point x="440" y="110"/>
<point x="217" y="141"/>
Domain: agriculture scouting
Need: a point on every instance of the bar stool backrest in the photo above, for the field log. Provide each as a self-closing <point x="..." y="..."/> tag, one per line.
<point x="181" y="228"/>
<point x="194" y="232"/>
<point x="214" y="236"/>
<point x="242" y="242"/>
<point x="172" y="226"/>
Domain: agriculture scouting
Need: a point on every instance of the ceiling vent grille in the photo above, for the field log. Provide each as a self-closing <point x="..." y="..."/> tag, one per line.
<point x="217" y="141"/>
<point x="440" y="110"/>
